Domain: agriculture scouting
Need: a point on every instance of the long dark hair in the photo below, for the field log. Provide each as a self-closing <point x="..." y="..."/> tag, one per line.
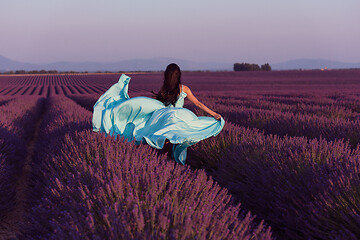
<point x="170" y="89"/>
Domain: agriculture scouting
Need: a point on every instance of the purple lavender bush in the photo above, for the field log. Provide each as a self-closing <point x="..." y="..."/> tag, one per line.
<point x="19" y="115"/>
<point x="126" y="191"/>
<point x="17" y="120"/>
<point x="62" y="116"/>
<point x="309" y="105"/>
<point x="7" y="190"/>
<point x="286" y="123"/>
<point x="96" y="187"/>
<point x="305" y="189"/>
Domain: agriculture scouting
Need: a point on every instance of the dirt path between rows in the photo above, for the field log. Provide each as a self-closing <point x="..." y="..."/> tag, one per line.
<point x="11" y="224"/>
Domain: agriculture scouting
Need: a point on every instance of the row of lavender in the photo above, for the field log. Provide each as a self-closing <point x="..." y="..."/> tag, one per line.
<point x="345" y="106"/>
<point x="56" y="79"/>
<point x="320" y="118"/>
<point x="276" y="78"/>
<point x="335" y="81"/>
<point x="309" y="116"/>
<point x="96" y="187"/>
<point x="43" y="90"/>
<point x="60" y="84"/>
<point x="17" y="121"/>
<point x="46" y="91"/>
<point x="306" y="189"/>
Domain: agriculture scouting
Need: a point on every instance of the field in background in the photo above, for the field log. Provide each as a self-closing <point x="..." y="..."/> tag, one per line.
<point x="330" y="81"/>
<point x="286" y="165"/>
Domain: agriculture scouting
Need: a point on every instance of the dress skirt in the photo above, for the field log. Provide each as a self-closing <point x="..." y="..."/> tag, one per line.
<point x="147" y="120"/>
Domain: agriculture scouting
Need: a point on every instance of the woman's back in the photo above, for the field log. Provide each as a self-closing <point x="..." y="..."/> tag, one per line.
<point x="180" y="100"/>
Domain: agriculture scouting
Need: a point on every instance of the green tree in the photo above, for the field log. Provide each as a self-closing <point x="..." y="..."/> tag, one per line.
<point x="266" y="67"/>
<point x="251" y="67"/>
<point x="246" y="67"/>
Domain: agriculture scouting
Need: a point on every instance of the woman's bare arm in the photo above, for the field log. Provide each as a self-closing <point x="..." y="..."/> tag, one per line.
<point x="200" y="105"/>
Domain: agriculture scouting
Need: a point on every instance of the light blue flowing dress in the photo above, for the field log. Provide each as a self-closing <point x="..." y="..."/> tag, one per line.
<point x="148" y="120"/>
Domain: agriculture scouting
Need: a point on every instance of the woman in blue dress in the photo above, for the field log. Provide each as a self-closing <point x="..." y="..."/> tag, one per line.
<point x="162" y="122"/>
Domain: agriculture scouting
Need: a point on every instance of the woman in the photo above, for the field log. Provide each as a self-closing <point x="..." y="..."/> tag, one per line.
<point x="155" y="121"/>
<point x="172" y="88"/>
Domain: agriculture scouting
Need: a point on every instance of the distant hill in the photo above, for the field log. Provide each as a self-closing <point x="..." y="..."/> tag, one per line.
<point x="154" y="64"/>
<point x="313" y="64"/>
<point x="159" y="64"/>
<point x="7" y="65"/>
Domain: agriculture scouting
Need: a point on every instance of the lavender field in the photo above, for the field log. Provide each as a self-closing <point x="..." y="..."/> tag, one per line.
<point x="285" y="166"/>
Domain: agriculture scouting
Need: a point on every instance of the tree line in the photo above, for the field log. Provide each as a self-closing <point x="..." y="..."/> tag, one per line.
<point x="52" y="72"/>
<point x="251" y="67"/>
<point x="32" y="72"/>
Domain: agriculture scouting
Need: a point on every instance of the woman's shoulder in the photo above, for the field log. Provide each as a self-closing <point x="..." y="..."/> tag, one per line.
<point x="185" y="89"/>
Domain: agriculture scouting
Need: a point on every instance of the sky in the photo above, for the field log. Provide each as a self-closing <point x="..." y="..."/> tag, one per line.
<point x="255" y="31"/>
